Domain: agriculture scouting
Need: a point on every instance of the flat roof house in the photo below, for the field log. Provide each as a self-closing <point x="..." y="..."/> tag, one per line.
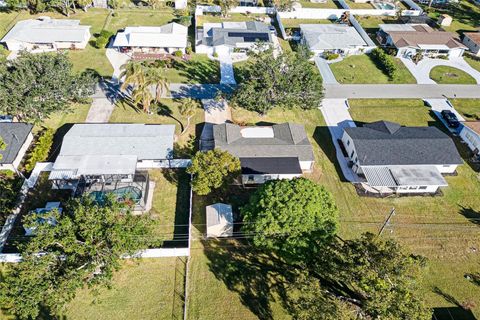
<point x="111" y="158"/>
<point x="163" y="39"/>
<point x="397" y="159"/>
<point x="280" y="151"/>
<point x="472" y="41"/>
<point x="46" y="34"/>
<point x="17" y="138"/>
<point x="332" y="38"/>
<point x="409" y="39"/>
<point x="225" y="37"/>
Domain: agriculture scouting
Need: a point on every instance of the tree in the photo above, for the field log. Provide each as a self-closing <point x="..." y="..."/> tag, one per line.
<point x="287" y="80"/>
<point x="156" y="76"/>
<point x="187" y="109"/>
<point x="212" y="170"/>
<point x="3" y="146"/>
<point x="226" y="5"/>
<point x="288" y="216"/>
<point x="85" y="4"/>
<point x="84" y="246"/>
<point x="281" y="5"/>
<point x="142" y="95"/>
<point x="9" y="187"/>
<point x="155" y="4"/>
<point x="35" y="85"/>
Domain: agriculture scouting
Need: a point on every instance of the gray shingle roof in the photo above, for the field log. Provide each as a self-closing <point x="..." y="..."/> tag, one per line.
<point x="282" y="165"/>
<point x="289" y="140"/>
<point x="387" y="143"/>
<point x="14" y="135"/>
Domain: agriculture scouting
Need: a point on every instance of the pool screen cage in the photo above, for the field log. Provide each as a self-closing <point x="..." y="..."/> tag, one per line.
<point x="112" y="182"/>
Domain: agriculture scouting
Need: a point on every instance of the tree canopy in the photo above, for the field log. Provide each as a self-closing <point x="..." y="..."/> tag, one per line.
<point x="212" y="170"/>
<point x="287" y="215"/>
<point x="285" y="80"/>
<point x="82" y="245"/>
<point x="35" y="85"/>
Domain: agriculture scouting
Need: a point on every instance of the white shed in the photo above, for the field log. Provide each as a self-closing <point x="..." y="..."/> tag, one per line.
<point x="219" y="220"/>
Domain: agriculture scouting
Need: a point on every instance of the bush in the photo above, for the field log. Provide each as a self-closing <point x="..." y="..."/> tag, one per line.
<point x="385" y="61"/>
<point x="178" y="53"/>
<point x="185" y="21"/>
<point x="331" y="56"/>
<point x="443" y="56"/>
<point x="102" y="39"/>
<point x="188" y="50"/>
<point x="215" y="55"/>
<point x="41" y="150"/>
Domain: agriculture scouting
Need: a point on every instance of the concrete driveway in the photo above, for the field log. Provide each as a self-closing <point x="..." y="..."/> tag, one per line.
<point x="438" y="105"/>
<point x="226" y="69"/>
<point x="337" y="117"/>
<point x="117" y="60"/>
<point x="324" y="68"/>
<point x="421" y="71"/>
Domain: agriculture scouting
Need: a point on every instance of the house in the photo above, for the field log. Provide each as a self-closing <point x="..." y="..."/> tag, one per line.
<point x="410" y="39"/>
<point x="17" y="137"/>
<point x="102" y="159"/>
<point x="472" y="41"/>
<point x="164" y="39"/>
<point x="280" y="151"/>
<point x="396" y="159"/>
<point x="445" y="20"/>
<point x="46" y="34"/>
<point x="470" y="133"/>
<point x="332" y="38"/>
<point x="219" y="220"/>
<point x="227" y="37"/>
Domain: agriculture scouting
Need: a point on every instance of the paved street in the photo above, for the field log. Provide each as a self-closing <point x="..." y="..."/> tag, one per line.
<point x="407" y="91"/>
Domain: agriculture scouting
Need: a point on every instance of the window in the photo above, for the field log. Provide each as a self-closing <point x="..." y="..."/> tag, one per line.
<point x="348" y="142"/>
<point x="251" y="178"/>
<point x="355" y="160"/>
<point x="352" y="154"/>
<point x="422" y="188"/>
<point x="412" y="188"/>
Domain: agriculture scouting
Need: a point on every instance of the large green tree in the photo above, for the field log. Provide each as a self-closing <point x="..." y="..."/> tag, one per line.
<point x="84" y="246"/>
<point x="212" y="170"/>
<point x="285" y="80"/>
<point x="35" y="85"/>
<point x="288" y="216"/>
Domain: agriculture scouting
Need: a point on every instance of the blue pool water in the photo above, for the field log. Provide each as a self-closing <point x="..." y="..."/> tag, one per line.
<point x="385" y="6"/>
<point x="120" y="194"/>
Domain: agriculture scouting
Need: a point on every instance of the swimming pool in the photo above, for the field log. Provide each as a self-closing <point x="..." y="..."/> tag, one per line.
<point x="120" y="194"/>
<point x="384" y="5"/>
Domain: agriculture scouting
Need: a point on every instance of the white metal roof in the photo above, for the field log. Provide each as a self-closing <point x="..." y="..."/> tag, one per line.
<point x="331" y="36"/>
<point x="48" y="31"/>
<point x="172" y="35"/>
<point x="395" y="176"/>
<point x="94" y="165"/>
<point x="219" y="214"/>
<point x="379" y="176"/>
<point x="396" y="27"/>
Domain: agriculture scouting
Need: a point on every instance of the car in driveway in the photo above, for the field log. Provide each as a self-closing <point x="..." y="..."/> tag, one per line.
<point x="450" y="118"/>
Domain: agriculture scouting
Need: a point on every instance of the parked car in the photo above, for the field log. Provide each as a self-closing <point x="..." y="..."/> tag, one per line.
<point x="450" y="118"/>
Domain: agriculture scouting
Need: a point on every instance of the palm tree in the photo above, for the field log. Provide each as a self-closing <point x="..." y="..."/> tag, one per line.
<point x="155" y="76"/>
<point x="142" y="95"/>
<point x="132" y="71"/>
<point x="187" y="109"/>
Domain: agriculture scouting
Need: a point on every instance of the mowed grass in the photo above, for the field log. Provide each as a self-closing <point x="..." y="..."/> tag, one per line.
<point x="435" y="227"/>
<point x="142" y="289"/>
<point x="167" y="113"/>
<point x="199" y="69"/>
<point x="465" y="14"/>
<point x="450" y="75"/>
<point x="472" y="62"/>
<point x="362" y="69"/>
<point x="232" y="17"/>
<point x="327" y="5"/>
<point x="295" y="23"/>
<point x="77" y="113"/>
<point x="468" y="108"/>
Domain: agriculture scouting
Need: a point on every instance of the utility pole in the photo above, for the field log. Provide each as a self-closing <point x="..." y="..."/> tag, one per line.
<point x="387" y="222"/>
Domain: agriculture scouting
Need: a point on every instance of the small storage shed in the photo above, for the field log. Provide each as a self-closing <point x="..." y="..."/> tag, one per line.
<point x="219" y="220"/>
<point x="445" y="20"/>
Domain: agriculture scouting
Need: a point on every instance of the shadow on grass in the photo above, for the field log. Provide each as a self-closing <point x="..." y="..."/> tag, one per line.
<point x="204" y="71"/>
<point x="323" y="138"/>
<point x="471" y="215"/>
<point x="452" y="313"/>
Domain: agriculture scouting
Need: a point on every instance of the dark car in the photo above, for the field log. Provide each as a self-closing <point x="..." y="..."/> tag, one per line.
<point x="450" y="118"/>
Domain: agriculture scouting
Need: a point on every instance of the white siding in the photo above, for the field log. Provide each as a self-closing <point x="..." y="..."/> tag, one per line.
<point x="262" y="178"/>
<point x="474" y="47"/>
<point x="23" y="150"/>
<point x="306" y="165"/>
<point x="446" y="168"/>
<point x="471" y="138"/>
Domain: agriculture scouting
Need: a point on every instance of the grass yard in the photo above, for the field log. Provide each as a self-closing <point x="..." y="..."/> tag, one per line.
<point x="76" y="114"/>
<point x="232" y="17"/>
<point x="437" y="227"/>
<point x="362" y="69"/>
<point x="474" y="63"/>
<point x="295" y="23"/>
<point x="450" y="75"/>
<point x="167" y="114"/>
<point x="199" y="69"/>
<point x="330" y="4"/>
<point x="355" y="5"/>
<point x="465" y="14"/>
<point x="370" y="24"/>
<point x="141" y="290"/>
<point x="468" y="108"/>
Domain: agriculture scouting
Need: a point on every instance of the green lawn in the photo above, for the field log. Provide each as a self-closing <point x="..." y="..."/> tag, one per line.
<point x="370" y="24"/>
<point x="450" y="75"/>
<point x="474" y="63"/>
<point x="167" y="114"/>
<point x="233" y="17"/>
<point x="468" y="108"/>
<point x="355" y="5"/>
<point x="362" y="69"/>
<point x="432" y="226"/>
<point x="76" y="114"/>
<point x="199" y="69"/>
<point x="328" y="5"/>
<point x="143" y="290"/>
<point x="466" y="16"/>
<point x="295" y="23"/>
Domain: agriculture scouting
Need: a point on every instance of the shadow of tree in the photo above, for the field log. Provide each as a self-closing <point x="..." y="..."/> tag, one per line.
<point x="447" y="297"/>
<point x="204" y="71"/>
<point x="455" y="313"/>
<point x="323" y="138"/>
<point x="472" y="216"/>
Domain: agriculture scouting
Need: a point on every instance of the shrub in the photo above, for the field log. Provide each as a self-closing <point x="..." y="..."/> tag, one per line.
<point x="385" y="61"/>
<point x="331" y="56"/>
<point x="41" y="150"/>
<point x="215" y="55"/>
<point x="443" y="56"/>
<point x="178" y="53"/>
<point x="185" y="21"/>
<point x="102" y="39"/>
<point x="189" y="50"/>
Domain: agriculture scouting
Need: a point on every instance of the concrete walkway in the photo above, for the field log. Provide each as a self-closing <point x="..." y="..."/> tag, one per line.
<point x="401" y="91"/>
<point x="337" y="117"/>
<point x="324" y="68"/>
<point x="438" y="105"/>
<point x="421" y="71"/>
<point x="117" y="60"/>
<point x="103" y="102"/>
<point x="226" y="69"/>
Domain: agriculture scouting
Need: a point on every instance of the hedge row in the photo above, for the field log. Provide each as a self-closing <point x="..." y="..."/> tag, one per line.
<point x="386" y="62"/>
<point x="103" y="38"/>
<point x="41" y="150"/>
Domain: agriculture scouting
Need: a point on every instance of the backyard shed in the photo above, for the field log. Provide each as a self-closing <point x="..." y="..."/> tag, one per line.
<point x="219" y="220"/>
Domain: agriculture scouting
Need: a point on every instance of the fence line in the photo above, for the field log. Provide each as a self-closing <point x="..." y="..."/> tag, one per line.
<point x="187" y="265"/>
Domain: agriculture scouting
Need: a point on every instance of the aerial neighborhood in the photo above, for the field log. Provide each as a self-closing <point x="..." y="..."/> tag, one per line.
<point x="295" y="159"/>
